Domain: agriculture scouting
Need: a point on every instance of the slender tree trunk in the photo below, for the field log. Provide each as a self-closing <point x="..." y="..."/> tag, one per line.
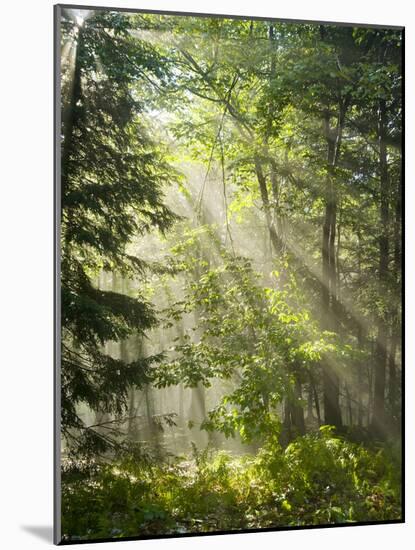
<point x="379" y="419"/>
<point x="297" y="410"/>
<point x="393" y="378"/>
<point x="293" y="413"/>
<point x="275" y="239"/>
<point x="360" y="340"/>
<point x="331" y="382"/>
<point x="71" y="112"/>
<point x="360" y="379"/>
<point x="314" y="397"/>
<point x="197" y="411"/>
<point x="286" y="430"/>
<point x="349" y="404"/>
<point x="395" y="316"/>
<point x="370" y="377"/>
<point x="181" y="402"/>
<point x="310" y="400"/>
<point x="316" y="403"/>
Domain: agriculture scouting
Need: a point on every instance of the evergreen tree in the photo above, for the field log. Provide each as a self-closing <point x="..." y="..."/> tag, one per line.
<point x="112" y="190"/>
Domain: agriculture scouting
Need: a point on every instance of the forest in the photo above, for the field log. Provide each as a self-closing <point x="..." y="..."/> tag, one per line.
<point x="231" y="274"/>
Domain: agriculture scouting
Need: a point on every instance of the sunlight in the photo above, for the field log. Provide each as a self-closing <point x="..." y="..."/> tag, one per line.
<point x="201" y="357"/>
<point x="78" y="16"/>
<point x="79" y="20"/>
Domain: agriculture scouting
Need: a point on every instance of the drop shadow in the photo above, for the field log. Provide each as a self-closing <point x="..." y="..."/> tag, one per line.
<point x="43" y="532"/>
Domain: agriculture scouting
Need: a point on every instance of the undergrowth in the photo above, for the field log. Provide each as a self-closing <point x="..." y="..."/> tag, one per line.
<point x="318" y="479"/>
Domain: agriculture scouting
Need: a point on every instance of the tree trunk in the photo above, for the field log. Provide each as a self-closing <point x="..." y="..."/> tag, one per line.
<point x="275" y="238"/>
<point x="378" y="418"/>
<point x="71" y="112"/>
<point x="293" y="414"/>
<point x="297" y="410"/>
<point x="197" y="410"/>
<point x="349" y="404"/>
<point x="197" y="414"/>
<point x="393" y="377"/>
<point x="360" y="341"/>
<point x="360" y="380"/>
<point x="395" y="315"/>
<point x="286" y="429"/>
<point x="316" y="399"/>
<point x="310" y="400"/>
<point x="331" y="382"/>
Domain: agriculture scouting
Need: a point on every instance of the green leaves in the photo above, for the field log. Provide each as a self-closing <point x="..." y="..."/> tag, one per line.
<point x="113" y="181"/>
<point x="260" y="338"/>
<point x="319" y="480"/>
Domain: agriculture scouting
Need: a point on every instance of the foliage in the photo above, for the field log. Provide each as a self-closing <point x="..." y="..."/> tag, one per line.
<point x="105" y="203"/>
<point x="279" y="283"/>
<point x="261" y="338"/>
<point x="319" y="479"/>
<point x="334" y="480"/>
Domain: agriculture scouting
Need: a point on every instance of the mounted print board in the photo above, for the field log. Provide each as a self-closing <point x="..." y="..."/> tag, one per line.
<point x="229" y="261"/>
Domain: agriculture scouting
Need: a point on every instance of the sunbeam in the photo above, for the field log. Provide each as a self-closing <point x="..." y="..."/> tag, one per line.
<point x="231" y="265"/>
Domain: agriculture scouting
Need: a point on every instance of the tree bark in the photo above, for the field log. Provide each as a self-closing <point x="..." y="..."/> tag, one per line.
<point x="395" y="315"/>
<point x="262" y="183"/>
<point x="360" y="380"/>
<point x="70" y="113"/>
<point x="378" y="418"/>
<point x="297" y="410"/>
<point x="349" y="404"/>
<point x="331" y="381"/>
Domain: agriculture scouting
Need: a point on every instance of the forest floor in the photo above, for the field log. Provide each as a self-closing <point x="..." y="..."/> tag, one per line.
<point x="317" y="480"/>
